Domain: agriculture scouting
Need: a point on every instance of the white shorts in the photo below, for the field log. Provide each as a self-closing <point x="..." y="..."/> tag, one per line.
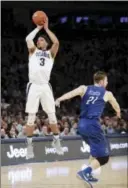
<point x="37" y="94"/>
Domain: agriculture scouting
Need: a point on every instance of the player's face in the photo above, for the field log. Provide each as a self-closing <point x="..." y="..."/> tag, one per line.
<point x="105" y="82"/>
<point x="41" y="43"/>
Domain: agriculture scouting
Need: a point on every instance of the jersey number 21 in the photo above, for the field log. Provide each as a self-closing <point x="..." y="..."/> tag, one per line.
<point x="91" y="100"/>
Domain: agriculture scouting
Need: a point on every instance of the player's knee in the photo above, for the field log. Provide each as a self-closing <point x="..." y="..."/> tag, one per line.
<point x="103" y="160"/>
<point x="52" y="118"/>
<point x="31" y="119"/>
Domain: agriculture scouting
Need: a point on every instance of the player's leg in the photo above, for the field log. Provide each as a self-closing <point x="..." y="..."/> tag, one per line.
<point x="83" y="131"/>
<point x="29" y="132"/>
<point x="90" y="159"/>
<point x="53" y="122"/>
<point x="56" y="139"/>
<point x="100" y="158"/>
<point x="86" y="174"/>
<point x="98" y="147"/>
<point x="99" y="151"/>
<point x="32" y="106"/>
<point x="48" y="105"/>
<point x="94" y="164"/>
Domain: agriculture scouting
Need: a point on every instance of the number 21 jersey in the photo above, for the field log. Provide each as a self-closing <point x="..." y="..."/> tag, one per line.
<point x="92" y="104"/>
<point x="40" y="67"/>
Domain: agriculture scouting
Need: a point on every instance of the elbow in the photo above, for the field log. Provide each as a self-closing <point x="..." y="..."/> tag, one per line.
<point x="57" y="43"/>
<point x="26" y="39"/>
<point x="117" y="108"/>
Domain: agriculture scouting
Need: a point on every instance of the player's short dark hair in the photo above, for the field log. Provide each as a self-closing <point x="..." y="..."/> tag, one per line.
<point x="98" y="76"/>
<point x="47" y="39"/>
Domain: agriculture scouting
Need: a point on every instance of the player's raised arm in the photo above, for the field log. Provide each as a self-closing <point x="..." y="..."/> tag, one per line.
<point x="29" y="39"/>
<point x="112" y="100"/>
<point x="55" y="41"/>
<point x="80" y="91"/>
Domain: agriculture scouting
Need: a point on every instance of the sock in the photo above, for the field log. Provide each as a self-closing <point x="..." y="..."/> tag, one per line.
<point x="87" y="170"/>
<point x="29" y="139"/>
<point x="56" y="136"/>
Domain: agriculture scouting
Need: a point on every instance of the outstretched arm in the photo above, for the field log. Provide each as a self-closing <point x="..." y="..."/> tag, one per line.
<point x="29" y="39"/>
<point x="55" y="41"/>
<point x="80" y="91"/>
<point x="112" y="100"/>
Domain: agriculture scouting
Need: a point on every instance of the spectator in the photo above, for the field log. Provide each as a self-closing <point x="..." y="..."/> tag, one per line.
<point x="73" y="131"/>
<point x="3" y="125"/>
<point x="123" y="127"/>
<point x="4" y="105"/>
<point x="12" y="133"/>
<point x="110" y="129"/>
<point x="44" y="131"/>
<point x="3" y="134"/>
<point x="22" y="134"/>
<point x="36" y="132"/>
<point x="19" y="125"/>
<point x="66" y="132"/>
<point x="60" y="127"/>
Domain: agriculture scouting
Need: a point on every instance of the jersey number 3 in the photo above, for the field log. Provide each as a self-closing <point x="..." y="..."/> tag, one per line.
<point x="91" y="100"/>
<point x="42" y="61"/>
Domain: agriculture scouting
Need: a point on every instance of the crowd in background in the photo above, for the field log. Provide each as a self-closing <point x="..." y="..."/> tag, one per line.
<point x="78" y="58"/>
<point x="13" y="124"/>
<point x="82" y="57"/>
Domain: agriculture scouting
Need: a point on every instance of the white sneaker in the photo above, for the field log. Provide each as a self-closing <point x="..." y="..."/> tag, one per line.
<point x="57" y="145"/>
<point x="30" y="153"/>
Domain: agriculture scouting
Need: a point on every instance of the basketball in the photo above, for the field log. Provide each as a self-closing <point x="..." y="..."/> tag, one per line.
<point x="39" y="17"/>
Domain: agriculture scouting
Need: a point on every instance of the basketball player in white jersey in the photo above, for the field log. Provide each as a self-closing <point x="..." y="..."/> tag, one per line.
<point x="41" y="62"/>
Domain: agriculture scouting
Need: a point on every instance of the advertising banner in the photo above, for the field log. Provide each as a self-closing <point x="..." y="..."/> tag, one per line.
<point x="15" y="152"/>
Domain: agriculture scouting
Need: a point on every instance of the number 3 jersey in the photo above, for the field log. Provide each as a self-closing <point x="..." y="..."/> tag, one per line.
<point x="92" y="104"/>
<point x="40" y="67"/>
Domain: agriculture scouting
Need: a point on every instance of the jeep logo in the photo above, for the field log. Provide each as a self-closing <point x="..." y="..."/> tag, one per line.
<point x="85" y="148"/>
<point x="14" y="152"/>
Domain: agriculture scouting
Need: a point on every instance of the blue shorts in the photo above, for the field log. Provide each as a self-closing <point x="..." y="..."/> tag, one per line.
<point x="92" y="134"/>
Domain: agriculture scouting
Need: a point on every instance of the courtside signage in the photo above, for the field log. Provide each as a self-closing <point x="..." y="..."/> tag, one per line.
<point x="15" y="153"/>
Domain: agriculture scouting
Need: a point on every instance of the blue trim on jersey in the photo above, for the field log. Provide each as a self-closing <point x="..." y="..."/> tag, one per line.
<point x="27" y="90"/>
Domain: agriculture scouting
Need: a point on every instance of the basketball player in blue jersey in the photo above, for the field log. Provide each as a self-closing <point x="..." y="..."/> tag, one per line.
<point x="93" y="101"/>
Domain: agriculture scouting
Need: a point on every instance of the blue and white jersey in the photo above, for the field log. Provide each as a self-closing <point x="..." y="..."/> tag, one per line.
<point x="40" y="67"/>
<point x="92" y="104"/>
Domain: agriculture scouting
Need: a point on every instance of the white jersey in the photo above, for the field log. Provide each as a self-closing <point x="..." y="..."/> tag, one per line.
<point x="40" y="67"/>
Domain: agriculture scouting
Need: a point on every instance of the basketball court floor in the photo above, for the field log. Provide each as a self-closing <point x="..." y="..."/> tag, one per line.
<point x="63" y="175"/>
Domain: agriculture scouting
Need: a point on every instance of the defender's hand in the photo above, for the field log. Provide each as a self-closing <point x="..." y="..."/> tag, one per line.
<point x="118" y="115"/>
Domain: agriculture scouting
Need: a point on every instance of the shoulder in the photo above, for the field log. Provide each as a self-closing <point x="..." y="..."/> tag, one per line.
<point x="83" y="87"/>
<point x="83" y="90"/>
<point x="50" y="54"/>
<point x="108" y="95"/>
<point x="34" y="52"/>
